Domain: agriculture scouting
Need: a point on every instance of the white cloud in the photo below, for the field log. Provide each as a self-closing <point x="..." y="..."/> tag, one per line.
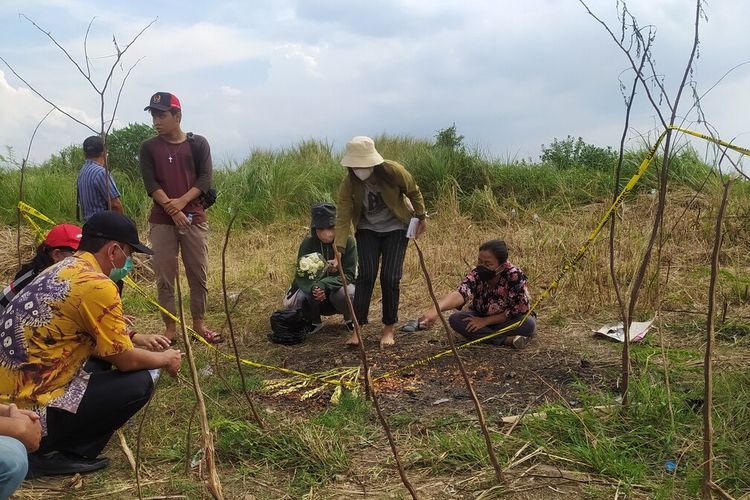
<point x="511" y="75"/>
<point x="229" y="91"/>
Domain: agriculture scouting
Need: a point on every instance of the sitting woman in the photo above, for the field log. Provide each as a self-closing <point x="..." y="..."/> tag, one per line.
<point x="497" y="295"/>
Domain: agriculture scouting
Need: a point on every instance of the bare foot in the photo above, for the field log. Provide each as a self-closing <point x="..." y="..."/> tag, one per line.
<point x="353" y="340"/>
<point x="388" y="339"/>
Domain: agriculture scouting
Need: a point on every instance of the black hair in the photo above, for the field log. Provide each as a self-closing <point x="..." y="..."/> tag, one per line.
<point x="498" y="248"/>
<point x="173" y="111"/>
<point x="92" y="244"/>
<point x="383" y="173"/>
<point x="41" y="261"/>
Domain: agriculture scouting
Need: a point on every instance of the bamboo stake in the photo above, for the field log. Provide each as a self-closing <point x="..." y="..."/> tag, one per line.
<point x="229" y="323"/>
<point x="24" y="162"/>
<point x="212" y="481"/>
<point x="467" y="380"/>
<point x="368" y="384"/>
<point x="138" y="439"/>
<point x="187" y="438"/>
<point x="126" y="449"/>
<point x="708" y="429"/>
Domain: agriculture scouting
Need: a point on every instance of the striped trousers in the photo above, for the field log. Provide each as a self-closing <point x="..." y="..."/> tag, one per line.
<point x="371" y="246"/>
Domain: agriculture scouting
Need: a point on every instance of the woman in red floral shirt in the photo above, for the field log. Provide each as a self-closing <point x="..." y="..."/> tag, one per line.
<point x="497" y="296"/>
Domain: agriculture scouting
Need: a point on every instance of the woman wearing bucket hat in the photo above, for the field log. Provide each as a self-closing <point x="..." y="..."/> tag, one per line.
<point x="378" y="198"/>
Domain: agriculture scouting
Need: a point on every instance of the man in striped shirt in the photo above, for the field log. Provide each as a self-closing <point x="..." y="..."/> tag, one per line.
<point x="93" y="193"/>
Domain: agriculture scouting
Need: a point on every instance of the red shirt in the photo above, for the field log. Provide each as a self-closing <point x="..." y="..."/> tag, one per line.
<point x="175" y="168"/>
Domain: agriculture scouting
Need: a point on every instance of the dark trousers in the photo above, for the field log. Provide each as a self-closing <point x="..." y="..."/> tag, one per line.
<point x="371" y="246"/>
<point x="458" y="323"/>
<point x="111" y="398"/>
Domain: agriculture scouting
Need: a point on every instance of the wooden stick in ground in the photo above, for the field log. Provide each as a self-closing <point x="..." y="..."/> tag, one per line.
<point x="368" y="387"/>
<point x="138" y="439"/>
<point x="212" y="481"/>
<point x="708" y="429"/>
<point x="357" y="327"/>
<point x="126" y="449"/>
<point x="187" y="438"/>
<point x="467" y="380"/>
<point x="229" y="323"/>
<point x="24" y="162"/>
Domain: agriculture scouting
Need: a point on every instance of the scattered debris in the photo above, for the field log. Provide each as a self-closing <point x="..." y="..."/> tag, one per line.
<point x="638" y="330"/>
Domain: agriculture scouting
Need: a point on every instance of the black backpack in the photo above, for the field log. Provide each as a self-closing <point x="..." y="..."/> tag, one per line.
<point x="209" y="197"/>
<point x="289" y="327"/>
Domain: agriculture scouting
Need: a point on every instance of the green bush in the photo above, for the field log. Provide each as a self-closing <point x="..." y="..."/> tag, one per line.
<point x="569" y="153"/>
<point x="123" y="146"/>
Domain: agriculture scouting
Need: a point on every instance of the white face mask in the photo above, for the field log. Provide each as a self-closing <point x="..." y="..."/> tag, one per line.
<point x="363" y="173"/>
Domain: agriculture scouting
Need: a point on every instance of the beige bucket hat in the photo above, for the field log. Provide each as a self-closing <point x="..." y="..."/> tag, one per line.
<point x="361" y="153"/>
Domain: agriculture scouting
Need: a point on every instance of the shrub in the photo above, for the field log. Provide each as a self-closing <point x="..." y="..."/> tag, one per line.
<point x="570" y="152"/>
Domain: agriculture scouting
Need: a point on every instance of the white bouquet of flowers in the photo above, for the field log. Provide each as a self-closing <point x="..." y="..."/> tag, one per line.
<point x="311" y="266"/>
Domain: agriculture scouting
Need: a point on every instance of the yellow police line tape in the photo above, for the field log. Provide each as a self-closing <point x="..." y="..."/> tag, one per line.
<point x="27" y="211"/>
<point x="581" y="251"/>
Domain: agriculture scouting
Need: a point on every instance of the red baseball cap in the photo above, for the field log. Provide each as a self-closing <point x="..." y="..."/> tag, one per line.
<point x="163" y="101"/>
<point x="64" y="235"/>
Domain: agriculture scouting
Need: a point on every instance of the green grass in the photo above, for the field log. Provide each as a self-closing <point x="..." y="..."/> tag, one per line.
<point x="312" y="453"/>
<point x="632" y="445"/>
<point x="281" y="184"/>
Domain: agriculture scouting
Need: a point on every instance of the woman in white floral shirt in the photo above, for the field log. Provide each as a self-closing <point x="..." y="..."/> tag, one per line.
<point x="496" y="294"/>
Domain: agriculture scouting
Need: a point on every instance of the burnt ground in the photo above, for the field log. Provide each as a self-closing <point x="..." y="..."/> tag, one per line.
<point x="506" y="380"/>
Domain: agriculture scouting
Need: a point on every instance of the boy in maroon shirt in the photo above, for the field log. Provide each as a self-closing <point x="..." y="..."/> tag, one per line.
<point x="176" y="169"/>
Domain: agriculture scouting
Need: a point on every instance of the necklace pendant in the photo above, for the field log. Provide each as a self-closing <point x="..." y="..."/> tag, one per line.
<point x="170" y="158"/>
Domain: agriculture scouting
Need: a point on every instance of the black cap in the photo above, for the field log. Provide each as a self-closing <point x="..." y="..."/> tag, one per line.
<point x="93" y="145"/>
<point x="163" y="101"/>
<point x="323" y="215"/>
<point x="111" y="225"/>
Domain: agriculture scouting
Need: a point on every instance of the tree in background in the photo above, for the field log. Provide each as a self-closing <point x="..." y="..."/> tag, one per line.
<point x="124" y="144"/>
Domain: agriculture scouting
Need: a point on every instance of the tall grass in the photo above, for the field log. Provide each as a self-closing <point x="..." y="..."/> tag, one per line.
<point x="276" y="185"/>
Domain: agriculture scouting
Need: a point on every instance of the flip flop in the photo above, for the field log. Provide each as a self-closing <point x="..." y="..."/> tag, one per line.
<point x="412" y="326"/>
<point x="212" y="337"/>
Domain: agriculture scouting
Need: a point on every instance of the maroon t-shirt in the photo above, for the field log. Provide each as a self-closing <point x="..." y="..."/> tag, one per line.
<point x="175" y="168"/>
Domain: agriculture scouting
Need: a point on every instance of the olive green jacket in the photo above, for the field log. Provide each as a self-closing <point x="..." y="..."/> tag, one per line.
<point x="400" y="194"/>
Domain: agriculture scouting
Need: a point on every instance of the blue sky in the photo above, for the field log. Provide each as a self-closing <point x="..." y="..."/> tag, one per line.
<point x="266" y="74"/>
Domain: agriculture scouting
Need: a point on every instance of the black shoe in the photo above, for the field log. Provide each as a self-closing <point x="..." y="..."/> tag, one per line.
<point x="349" y="326"/>
<point x="55" y="463"/>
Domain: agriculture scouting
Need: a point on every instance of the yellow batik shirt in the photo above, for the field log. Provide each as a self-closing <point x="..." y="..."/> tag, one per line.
<point x="69" y="312"/>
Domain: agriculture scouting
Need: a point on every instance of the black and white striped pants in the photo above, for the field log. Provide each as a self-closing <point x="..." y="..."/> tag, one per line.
<point x="371" y="246"/>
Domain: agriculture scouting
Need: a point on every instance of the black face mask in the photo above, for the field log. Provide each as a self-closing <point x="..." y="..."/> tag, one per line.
<point x="484" y="273"/>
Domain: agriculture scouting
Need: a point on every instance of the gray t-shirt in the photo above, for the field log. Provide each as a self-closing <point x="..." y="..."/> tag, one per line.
<point x="376" y="215"/>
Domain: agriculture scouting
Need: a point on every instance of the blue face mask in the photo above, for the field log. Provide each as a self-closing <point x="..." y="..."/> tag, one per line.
<point x="119" y="273"/>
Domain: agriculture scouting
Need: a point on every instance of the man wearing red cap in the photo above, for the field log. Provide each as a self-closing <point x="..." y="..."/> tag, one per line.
<point x="176" y="169"/>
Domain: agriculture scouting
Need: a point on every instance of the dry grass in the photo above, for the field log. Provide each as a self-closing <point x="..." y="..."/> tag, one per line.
<point x="261" y="260"/>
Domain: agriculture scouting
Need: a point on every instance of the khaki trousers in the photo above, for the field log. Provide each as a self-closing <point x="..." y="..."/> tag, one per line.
<point x="167" y="242"/>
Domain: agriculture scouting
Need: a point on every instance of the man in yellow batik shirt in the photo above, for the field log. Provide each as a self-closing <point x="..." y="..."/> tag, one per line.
<point x="60" y="338"/>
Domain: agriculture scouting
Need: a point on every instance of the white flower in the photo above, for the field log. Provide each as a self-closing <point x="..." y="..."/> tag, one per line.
<point x="310" y="266"/>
